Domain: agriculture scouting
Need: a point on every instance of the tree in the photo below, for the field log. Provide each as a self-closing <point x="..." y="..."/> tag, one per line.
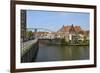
<point x="29" y="34"/>
<point x="85" y="40"/>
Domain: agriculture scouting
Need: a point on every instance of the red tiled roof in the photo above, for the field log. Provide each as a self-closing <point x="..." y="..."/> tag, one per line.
<point x="77" y="28"/>
<point x="86" y="32"/>
<point x="67" y="28"/>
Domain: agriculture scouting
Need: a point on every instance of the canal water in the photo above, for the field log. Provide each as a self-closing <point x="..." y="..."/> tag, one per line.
<point x="49" y="52"/>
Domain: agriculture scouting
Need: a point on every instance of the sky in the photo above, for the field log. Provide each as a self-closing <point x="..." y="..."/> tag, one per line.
<point x="54" y="20"/>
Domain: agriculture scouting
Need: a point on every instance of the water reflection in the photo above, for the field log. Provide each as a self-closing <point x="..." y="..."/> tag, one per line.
<point x="60" y="53"/>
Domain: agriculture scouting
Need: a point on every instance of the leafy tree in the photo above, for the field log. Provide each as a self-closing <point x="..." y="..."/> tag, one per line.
<point x="63" y="41"/>
<point x="29" y="34"/>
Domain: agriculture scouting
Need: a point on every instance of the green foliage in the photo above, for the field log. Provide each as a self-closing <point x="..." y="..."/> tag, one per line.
<point x="63" y="41"/>
<point x="85" y="41"/>
<point x="29" y="34"/>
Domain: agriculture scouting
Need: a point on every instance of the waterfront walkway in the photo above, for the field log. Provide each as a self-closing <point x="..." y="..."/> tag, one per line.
<point x="26" y="45"/>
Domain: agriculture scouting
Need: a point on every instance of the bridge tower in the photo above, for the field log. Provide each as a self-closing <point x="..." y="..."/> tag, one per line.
<point x="35" y="30"/>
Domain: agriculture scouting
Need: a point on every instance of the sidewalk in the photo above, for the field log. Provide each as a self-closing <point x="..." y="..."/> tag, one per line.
<point x="25" y="45"/>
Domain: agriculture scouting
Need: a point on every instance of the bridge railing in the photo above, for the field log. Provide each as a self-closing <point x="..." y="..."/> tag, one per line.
<point x="29" y="50"/>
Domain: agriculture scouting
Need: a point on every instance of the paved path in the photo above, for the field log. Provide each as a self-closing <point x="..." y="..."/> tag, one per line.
<point x="25" y="45"/>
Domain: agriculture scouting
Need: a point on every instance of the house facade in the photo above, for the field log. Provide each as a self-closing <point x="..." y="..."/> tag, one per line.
<point x="73" y="33"/>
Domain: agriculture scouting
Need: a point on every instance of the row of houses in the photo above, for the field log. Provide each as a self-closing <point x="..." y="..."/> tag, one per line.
<point x="68" y="32"/>
<point x="71" y="32"/>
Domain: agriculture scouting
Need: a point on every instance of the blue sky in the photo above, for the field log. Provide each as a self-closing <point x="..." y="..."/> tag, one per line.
<point x="55" y="20"/>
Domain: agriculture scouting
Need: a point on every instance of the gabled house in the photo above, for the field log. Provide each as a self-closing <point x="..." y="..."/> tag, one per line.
<point x="71" y="33"/>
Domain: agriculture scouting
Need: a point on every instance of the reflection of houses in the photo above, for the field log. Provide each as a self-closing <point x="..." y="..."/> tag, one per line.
<point x="72" y="33"/>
